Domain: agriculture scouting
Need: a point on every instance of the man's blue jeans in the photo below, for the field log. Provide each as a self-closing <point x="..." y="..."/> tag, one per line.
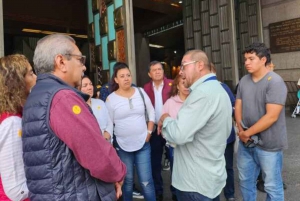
<point x="192" y="196"/>
<point x="142" y="161"/>
<point x="249" y="162"/>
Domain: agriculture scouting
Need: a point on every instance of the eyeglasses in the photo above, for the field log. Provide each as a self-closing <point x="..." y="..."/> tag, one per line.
<point x="188" y="63"/>
<point x="82" y="58"/>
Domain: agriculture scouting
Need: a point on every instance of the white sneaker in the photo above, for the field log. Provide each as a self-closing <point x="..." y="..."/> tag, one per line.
<point x="137" y="195"/>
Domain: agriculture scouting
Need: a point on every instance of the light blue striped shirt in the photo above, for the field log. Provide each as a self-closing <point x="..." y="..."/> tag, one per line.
<point x="200" y="131"/>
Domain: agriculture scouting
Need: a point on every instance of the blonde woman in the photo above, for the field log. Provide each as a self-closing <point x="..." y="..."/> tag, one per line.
<point x="16" y="81"/>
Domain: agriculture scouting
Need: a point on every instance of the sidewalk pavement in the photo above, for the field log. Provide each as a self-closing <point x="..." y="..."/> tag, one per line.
<point x="291" y="167"/>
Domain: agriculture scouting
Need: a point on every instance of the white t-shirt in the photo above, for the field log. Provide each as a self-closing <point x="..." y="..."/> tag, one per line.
<point x="11" y="159"/>
<point x="100" y="111"/>
<point x="128" y="115"/>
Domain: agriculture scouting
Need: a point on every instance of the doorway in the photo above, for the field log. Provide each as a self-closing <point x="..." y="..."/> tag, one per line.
<point x="159" y="35"/>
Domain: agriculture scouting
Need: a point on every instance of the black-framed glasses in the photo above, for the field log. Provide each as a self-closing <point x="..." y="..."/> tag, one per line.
<point x="82" y="57"/>
<point x="187" y="63"/>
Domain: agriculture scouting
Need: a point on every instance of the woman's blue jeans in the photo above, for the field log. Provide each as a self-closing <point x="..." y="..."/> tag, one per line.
<point x="249" y="162"/>
<point x="141" y="160"/>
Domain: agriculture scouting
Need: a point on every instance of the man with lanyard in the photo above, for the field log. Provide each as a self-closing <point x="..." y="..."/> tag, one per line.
<point x="158" y="90"/>
<point x="200" y="131"/>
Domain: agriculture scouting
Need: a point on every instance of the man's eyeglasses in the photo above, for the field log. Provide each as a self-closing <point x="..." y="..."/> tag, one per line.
<point x="82" y="58"/>
<point x="187" y="63"/>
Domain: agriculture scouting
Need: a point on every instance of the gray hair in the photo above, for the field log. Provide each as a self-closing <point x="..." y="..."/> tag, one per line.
<point x="46" y="50"/>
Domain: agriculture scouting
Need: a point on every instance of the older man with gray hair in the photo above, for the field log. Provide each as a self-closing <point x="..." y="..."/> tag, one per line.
<point x="65" y="155"/>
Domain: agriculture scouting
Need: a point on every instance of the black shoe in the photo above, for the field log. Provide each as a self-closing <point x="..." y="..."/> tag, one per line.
<point x="284" y="185"/>
<point x="159" y="197"/>
<point x="260" y="185"/>
<point x="174" y="197"/>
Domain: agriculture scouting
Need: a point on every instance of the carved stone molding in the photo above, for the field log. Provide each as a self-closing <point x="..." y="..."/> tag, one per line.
<point x="119" y="17"/>
<point x="112" y="50"/>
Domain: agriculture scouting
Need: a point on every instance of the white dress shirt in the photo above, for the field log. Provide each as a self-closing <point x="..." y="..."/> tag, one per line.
<point x="158" y="101"/>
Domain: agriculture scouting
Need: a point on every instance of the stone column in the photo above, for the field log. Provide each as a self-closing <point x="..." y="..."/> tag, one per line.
<point x="142" y="55"/>
<point x="1" y="30"/>
<point x="233" y="48"/>
<point x="129" y="35"/>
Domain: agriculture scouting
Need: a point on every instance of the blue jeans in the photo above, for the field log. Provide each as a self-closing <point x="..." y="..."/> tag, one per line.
<point x="192" y="196"/>
<point x="142" y="161"/>
<point x="157" y="143"/>
<point x="229" y="187"/>
<point x="249" y="162"/>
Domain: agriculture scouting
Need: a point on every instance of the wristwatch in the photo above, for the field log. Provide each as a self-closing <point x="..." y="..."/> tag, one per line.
<point x="149" y="132"/>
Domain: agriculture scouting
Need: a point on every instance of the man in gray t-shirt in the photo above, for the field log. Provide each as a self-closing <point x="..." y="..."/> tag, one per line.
<point x="255" y="96"/>
<point x="259" y="105"/>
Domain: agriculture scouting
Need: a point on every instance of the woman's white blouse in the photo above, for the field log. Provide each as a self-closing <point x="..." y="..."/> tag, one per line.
<point x="128" y="115"/>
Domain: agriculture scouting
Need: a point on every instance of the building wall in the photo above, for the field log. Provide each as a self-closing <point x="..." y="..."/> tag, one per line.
<point x="286" y="64"/>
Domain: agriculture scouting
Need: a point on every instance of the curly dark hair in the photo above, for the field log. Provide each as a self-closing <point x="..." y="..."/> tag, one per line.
<point x="13" y="69"/>
<point x="118" y="66"/>
<point x="260" y="50"/>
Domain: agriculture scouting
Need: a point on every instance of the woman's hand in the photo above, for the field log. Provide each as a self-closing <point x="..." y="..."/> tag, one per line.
<point x="148" y="138"/>
<point x="106" y="135"/>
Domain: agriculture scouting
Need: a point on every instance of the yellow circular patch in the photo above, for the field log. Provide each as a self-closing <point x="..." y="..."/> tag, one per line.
<point x="170" y="84"/>
<point x="20" y="133"/>
<point x="269" y="78"/>
<point x="99" y="107"/>
<point x="106" y="86"/>
<point x="76" y="109"/>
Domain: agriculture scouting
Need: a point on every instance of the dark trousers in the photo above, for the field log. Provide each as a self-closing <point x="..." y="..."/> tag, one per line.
<point x="171" y="158"/>
<point x="192" y="196"/>
<point x="229" y="187"/>
<point x="157" y="143"/>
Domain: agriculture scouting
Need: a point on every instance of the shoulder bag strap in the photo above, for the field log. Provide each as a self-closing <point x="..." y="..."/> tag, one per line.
<point x="146" y="113"/>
